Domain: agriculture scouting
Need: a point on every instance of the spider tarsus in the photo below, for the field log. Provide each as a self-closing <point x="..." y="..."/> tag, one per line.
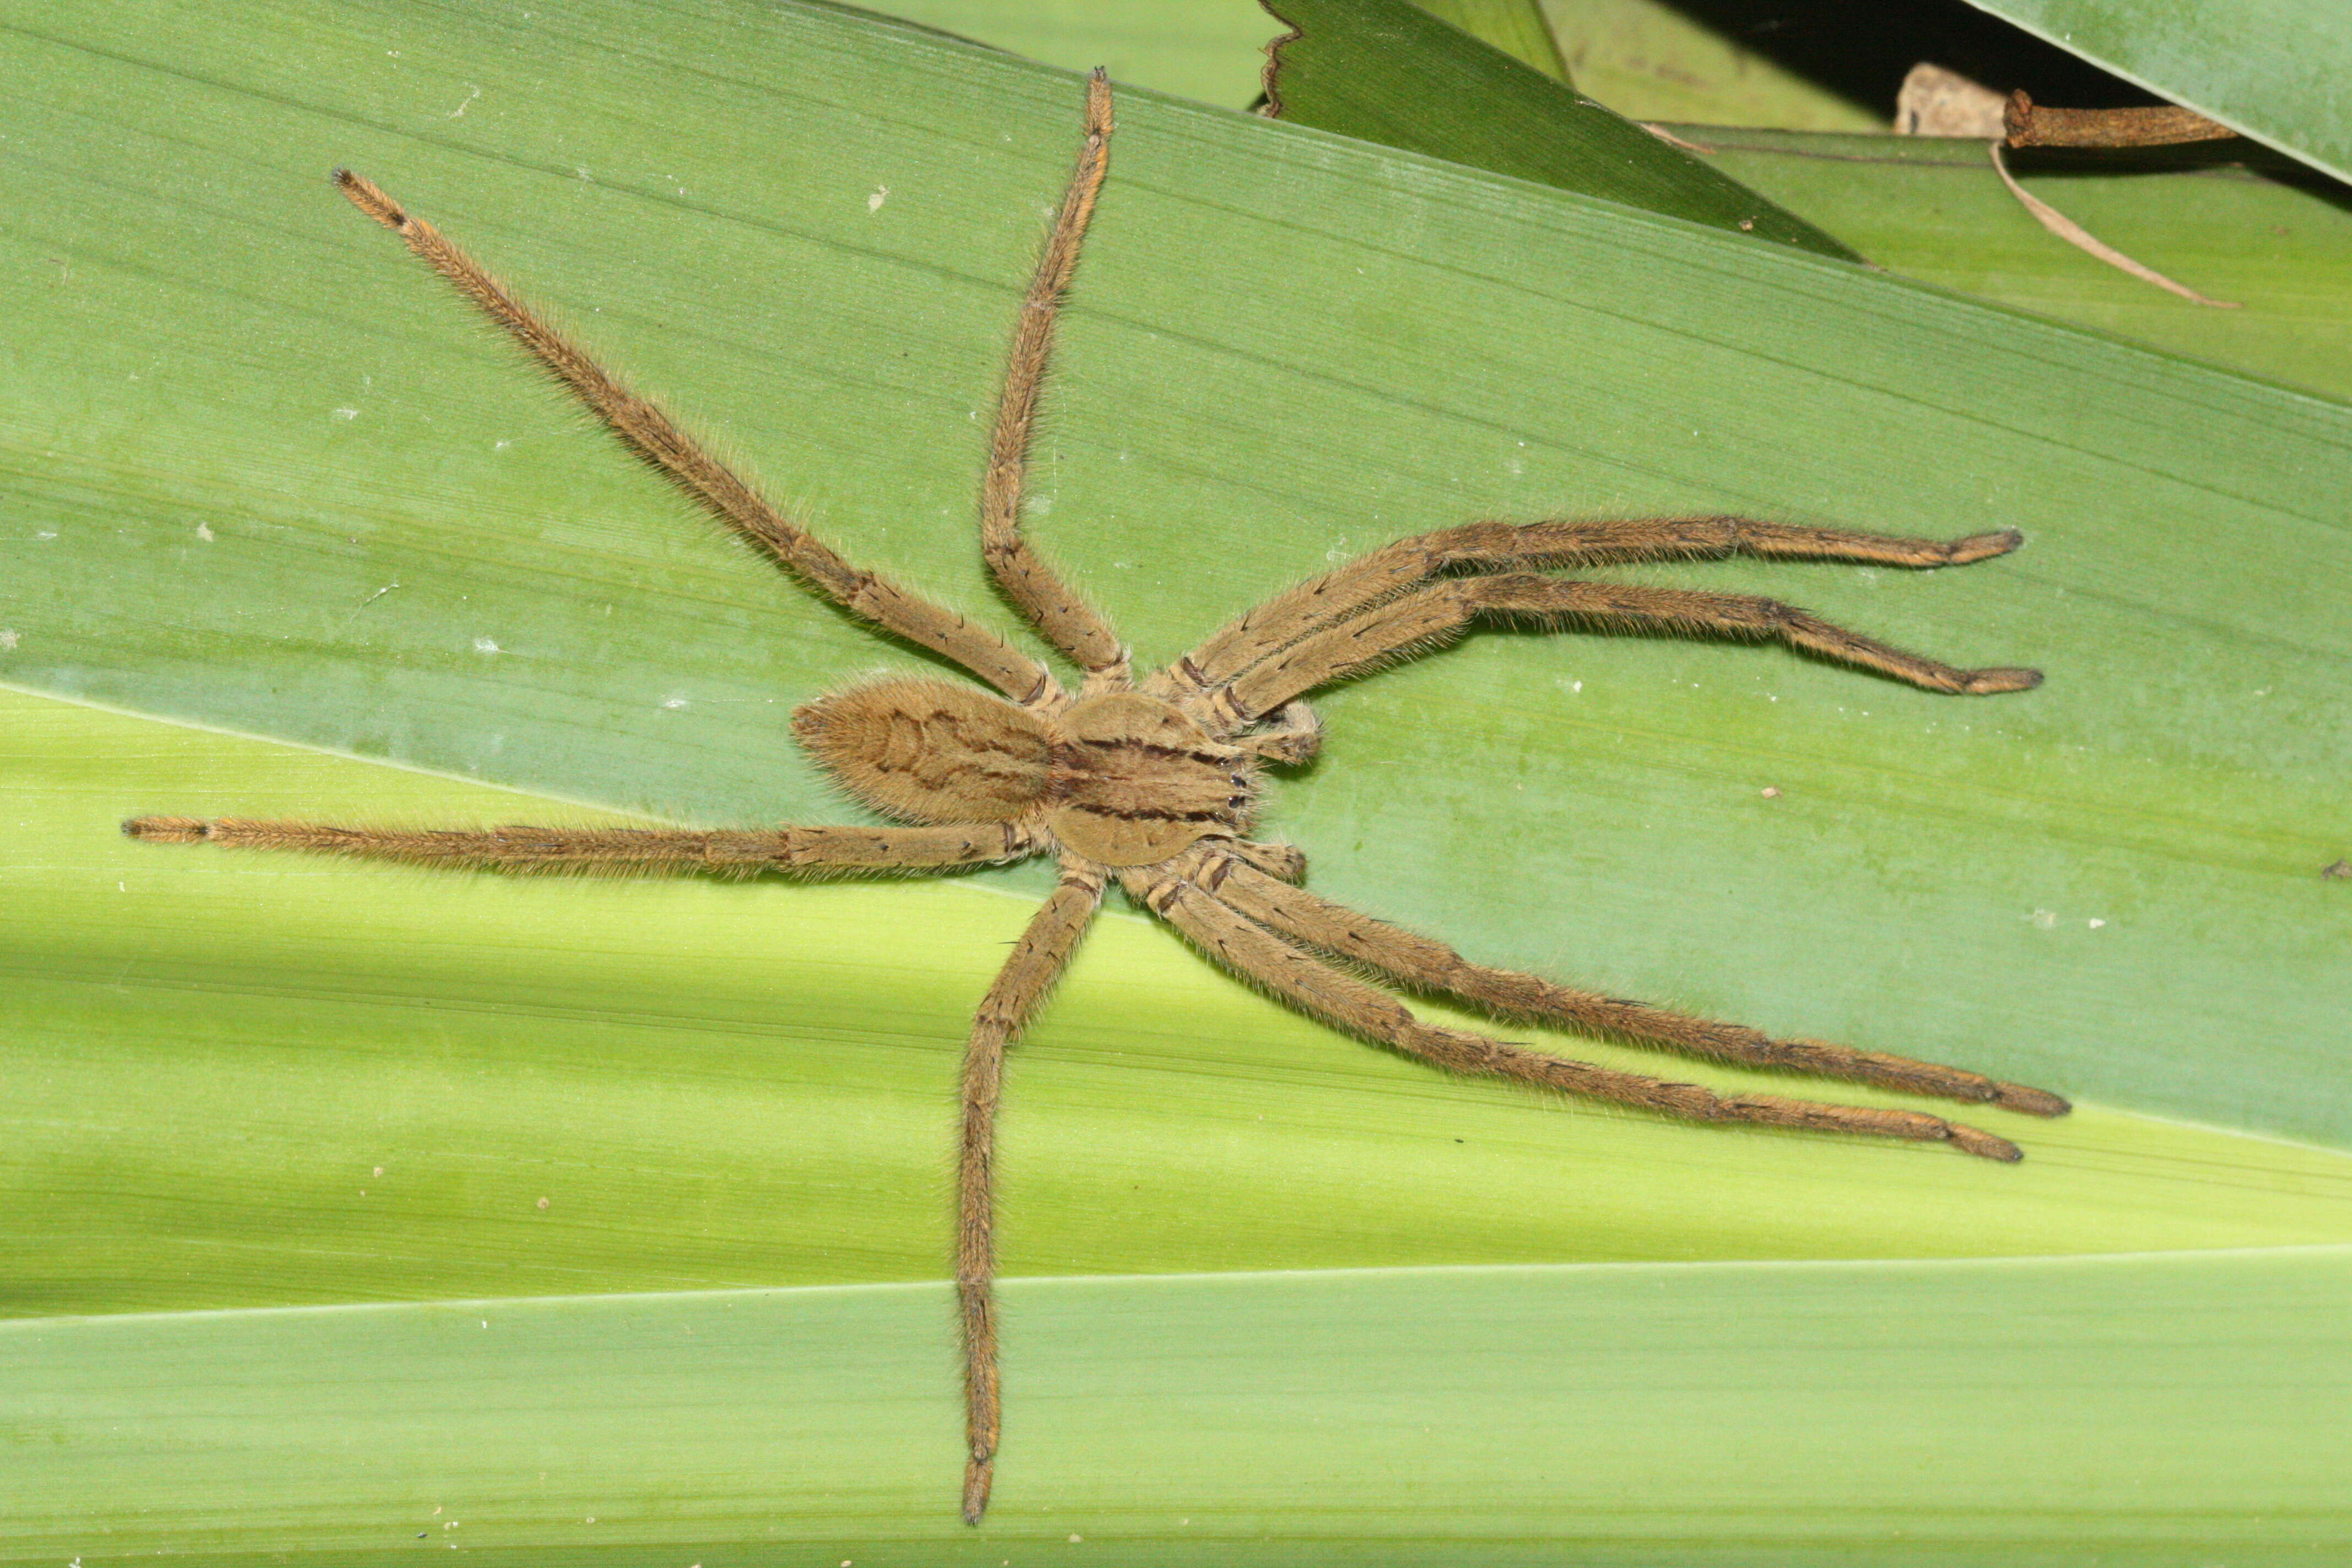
<point x="1983" y="546"/>
<point x="2028" y="1101"/>
<point x="1971" y="1141"/>
<point x="979" y="1474"/>
<point x="168" y="829"/>
<point x="366" y="195"/>
<point x="1985" y="682"/>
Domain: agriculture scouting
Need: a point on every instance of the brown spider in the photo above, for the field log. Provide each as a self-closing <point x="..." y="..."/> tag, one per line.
<point x="1156" y="783"/>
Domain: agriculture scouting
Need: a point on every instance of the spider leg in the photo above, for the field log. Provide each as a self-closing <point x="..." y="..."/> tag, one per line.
<point x="1064" y="619"/>
<point x="1423" y="963"/>
<point x="1495" y="546"/>
<point x="1436" y="612"/>
<point x="648" y="432"/>
<point x="1038" y="958"/>
<point x="567" y="848"/>
<point x="1316" y="988"/>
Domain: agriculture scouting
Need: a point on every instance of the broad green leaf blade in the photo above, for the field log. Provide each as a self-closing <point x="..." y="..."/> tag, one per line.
<point x="2271" y="69"/>
<point x="255" y="1080"/>
<point x="2281" y="249"/>
<point x="1287" y="347"/>
<point x="2166" y="1411"/>
<point x="1387" y="71"/>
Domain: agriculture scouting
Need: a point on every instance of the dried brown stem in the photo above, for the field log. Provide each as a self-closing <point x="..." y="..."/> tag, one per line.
<point x="2031" y="124"/>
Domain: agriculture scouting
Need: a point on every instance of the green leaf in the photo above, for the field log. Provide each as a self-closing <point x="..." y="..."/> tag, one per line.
<point x="2271" y="69"/>
<point x="1387" y="71"/>
<point x="2274" y="244"/>
<point x="2165" y="1411"/>
<point x="259" y="473"/>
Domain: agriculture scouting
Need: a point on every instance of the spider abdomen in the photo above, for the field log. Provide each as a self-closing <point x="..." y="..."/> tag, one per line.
<point x="1133" y="780"/>
<point x="929" y="751"/>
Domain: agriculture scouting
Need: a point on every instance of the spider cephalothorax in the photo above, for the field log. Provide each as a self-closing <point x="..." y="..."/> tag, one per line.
<point x="1154" y="784"/>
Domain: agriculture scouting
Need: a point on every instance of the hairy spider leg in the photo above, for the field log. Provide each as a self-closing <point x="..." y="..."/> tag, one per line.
<point x="1373" y="579"/>
<point x="519" y="847"/>
<point x="1062" y="618"/>
<point x="1314" y="987"/>
<point x="1435" y="612"/>
<point x="647" y="431"/>
<point x="1037" y="961"/>
<point x="1427" y="965"/>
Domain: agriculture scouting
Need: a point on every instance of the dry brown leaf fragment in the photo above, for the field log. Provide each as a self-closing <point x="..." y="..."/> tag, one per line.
<point x="2026" y="123"/>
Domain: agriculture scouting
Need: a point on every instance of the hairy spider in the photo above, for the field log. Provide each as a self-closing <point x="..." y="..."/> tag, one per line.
<point x="1155" y="783"/>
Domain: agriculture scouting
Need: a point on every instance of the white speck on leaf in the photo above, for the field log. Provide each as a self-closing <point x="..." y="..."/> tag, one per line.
<point x="485" y="645"/>
<point x="874" y="203"/>
<point x="2044" y="920"/>
<point x="472" y="94"/>
<point x="7" y="642"/>
<point x="346" y="413"/>
<point x="2094" y="924"/>
<point x="675" y="702"/>
<point x="205" y="533"/>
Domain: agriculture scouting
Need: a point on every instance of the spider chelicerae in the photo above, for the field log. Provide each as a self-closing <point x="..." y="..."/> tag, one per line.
<point x="1154" y="784"/>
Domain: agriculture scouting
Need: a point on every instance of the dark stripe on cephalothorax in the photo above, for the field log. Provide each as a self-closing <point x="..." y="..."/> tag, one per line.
<point x="1145" y="813"/>
<point x="1154" y="749"/>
